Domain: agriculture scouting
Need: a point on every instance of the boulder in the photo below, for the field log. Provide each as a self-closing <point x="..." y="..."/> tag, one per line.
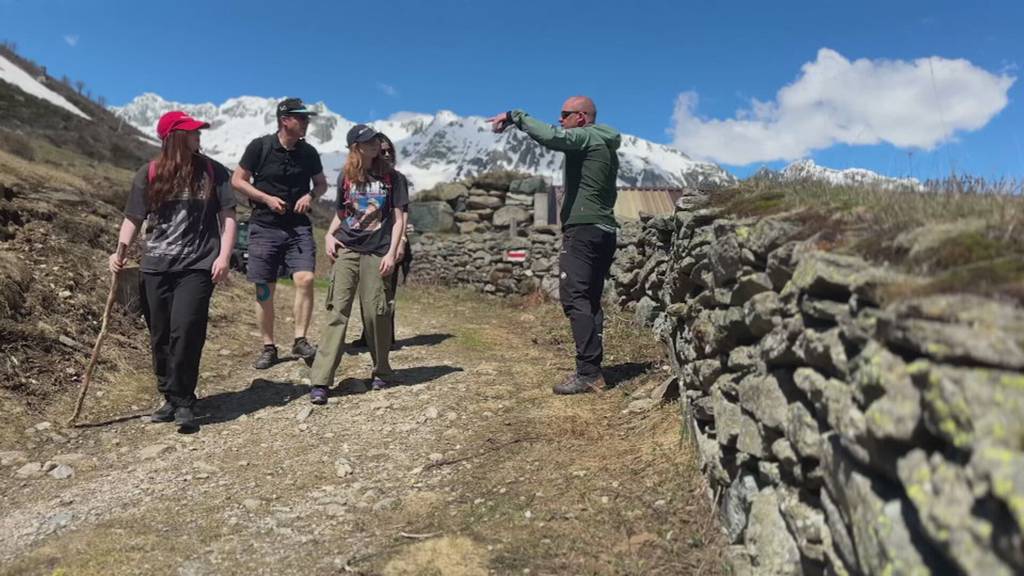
<point x="468" y="227"/>
<point x="957" y="328"/>
<point x="877" y="516"/>
<point x="503" y="217"/>
<point x="771" y="547"/>
<point x="965" y="406"/>
<point x="484" y="201"/>
<point x="837" y="276"/>
<point x="803" y="432"/>
<point x="467" y="217"/>
<point x="762" y="396"/>
<point x="942" y="494"/>
<point x="449" y="192"/>
<point x="735" y="504"/>
<point x="531" y="185"/>
<point x="434" y="216"/>
<point x="762" y="313"/>
<point x="882" y="383"/>
<point x="823" y="351"/>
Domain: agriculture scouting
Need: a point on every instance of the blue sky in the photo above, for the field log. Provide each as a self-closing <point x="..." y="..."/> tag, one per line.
<point x="895" y="78"/>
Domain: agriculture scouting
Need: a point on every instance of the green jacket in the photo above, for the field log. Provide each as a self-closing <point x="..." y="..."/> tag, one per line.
<point x="591" y="167"/>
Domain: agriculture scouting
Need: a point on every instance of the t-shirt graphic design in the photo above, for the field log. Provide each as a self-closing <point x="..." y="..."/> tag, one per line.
<point x="364" y="206"/>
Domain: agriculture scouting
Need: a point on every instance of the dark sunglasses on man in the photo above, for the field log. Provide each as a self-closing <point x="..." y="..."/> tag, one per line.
<point x="567" y="113"/>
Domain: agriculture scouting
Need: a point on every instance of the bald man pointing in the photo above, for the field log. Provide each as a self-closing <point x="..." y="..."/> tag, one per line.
<point x="588" y="225"/>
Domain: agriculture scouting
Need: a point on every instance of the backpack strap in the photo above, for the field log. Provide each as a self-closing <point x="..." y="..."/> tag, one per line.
<point x="151" y="172"/>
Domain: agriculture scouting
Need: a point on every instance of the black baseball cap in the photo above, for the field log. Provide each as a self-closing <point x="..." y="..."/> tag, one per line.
<point x="360" y="133"/>
<point x="293" y="107"/>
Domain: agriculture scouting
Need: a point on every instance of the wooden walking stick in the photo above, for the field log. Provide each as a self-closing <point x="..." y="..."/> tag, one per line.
<point x="121" y="249"/>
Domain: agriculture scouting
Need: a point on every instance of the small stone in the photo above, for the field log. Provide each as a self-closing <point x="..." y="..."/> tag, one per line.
<point x="252" y="504"/>
<point x="225" y="352"/>
<point x="528" y="514"/>
<point x="64" y="294"/>
<point x="62" y="472"/>
<point x="30" y="470"/>
<point x="154" y="450"/>
<point x="343" y="467"/>
<point x="436" y="458"/>
<point x="13" y="457"/>
<point x="334" y="510"/>
<point x="430" y="413"/>
<point x="43" y="426"/>
<point x="304" y="413"/>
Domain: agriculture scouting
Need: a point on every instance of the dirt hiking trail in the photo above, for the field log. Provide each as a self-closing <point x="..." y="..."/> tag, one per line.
<point x="468" y="466"/>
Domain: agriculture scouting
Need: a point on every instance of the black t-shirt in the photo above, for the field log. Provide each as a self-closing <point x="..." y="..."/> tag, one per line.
<point x="184" y="233"/>
<point x="286" y="174"/>
<point x="367" y="212"/>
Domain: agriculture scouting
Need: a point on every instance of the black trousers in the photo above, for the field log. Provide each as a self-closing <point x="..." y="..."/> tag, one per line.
<point x="177" y="307"/>
<point x="583" y="264"/>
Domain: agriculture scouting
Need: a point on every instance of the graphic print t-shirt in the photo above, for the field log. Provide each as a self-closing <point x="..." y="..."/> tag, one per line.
<point x="183" y="232"/>
<point x="367" y="212"/>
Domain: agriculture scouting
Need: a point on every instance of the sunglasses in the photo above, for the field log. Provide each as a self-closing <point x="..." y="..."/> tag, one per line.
<point x="567" y="113"/>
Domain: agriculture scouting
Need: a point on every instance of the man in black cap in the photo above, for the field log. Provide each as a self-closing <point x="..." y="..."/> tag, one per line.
<point x="275" y="173"/>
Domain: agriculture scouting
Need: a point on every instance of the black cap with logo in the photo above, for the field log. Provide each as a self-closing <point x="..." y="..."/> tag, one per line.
<point x="360" y="133"/>
<point x="293" y="107"/>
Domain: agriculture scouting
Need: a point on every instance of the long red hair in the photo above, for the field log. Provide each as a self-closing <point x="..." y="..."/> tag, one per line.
<point x="178" y="168"/>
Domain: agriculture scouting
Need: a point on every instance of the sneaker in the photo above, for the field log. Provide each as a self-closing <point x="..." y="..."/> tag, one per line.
<point x="164" y="413"/>
<point x="318" y="395"/>
<point x="576" y="384"/>
<point x="303" y="349"/>
<point x="267" y="358"/>
<point x="184" y="417"/>
<point x="377" y="384"/>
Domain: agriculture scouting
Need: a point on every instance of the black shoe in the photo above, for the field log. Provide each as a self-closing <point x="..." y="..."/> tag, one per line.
<point x="267" y="358"/>
<point x="303" y="349"/>
<point x="576" y="384"/>
<point x="184" y="418"/>
<point x="359" y="342"/>
<point x="164" y="413"/>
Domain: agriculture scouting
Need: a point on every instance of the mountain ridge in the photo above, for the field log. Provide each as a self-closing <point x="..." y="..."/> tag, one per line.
<point x="432" y="148"/>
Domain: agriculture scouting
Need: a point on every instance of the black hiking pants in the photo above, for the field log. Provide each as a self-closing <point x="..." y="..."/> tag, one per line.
<point x="177" y="307"/>
<point x="583" y="264"/>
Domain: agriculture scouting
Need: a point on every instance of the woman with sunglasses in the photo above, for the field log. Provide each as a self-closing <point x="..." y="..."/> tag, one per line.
<point x="403" y="258"/>
<point x="189" y="204"/>
<point x="363" y="241"/>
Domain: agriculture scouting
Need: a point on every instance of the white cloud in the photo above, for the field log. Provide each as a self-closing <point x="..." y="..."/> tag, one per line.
<point x="387" y="89"/>
<point x="909" y="104"/>
<point x="71" y="39"/>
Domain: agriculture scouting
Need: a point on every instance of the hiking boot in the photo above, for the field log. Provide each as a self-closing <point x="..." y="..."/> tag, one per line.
<point x="164" y="413"/>
<point x="359" y="342"/>
<point x="303" y="349"/>
<point x="267" y="358"/>
<point x="377" y="384"/>
<point x="318" y="395"/>
<point x="576" y="384"/>
<point x="184" y="418"/>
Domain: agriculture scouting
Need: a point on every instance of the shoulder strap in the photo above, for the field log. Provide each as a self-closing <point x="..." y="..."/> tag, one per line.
<point x="151" y="172"/>
<point x="265" y="148"/>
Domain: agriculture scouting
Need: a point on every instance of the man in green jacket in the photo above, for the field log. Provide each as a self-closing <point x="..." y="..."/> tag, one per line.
<point x="588" y="224"/>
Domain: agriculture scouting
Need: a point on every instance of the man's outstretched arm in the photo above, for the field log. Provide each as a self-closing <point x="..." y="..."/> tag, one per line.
<point x="553" y="137"/>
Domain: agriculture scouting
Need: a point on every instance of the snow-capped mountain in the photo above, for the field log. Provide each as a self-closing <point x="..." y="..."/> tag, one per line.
<point x="808" y="170"/>
<point x="432" y="148"/>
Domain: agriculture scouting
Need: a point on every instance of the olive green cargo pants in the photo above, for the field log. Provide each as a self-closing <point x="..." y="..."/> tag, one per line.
<point x="354" y="273"/>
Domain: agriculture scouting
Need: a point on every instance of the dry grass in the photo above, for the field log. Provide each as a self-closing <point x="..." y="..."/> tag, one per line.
<point x="874" y="222"/>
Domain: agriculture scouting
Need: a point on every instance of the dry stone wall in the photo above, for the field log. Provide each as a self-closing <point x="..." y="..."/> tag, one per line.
<point x="839" y="436"/>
